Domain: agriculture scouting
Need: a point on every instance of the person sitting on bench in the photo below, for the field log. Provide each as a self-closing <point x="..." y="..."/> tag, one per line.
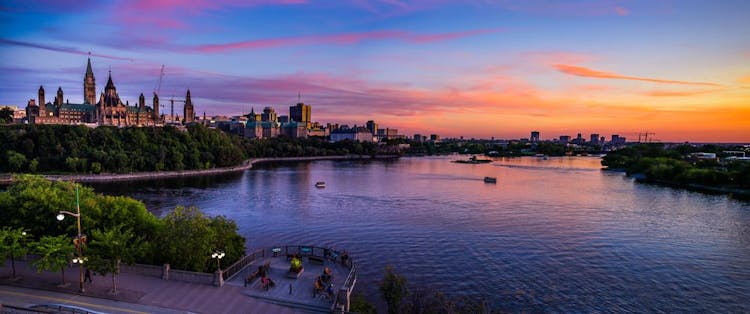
<point x="326" y="277"/>
<point x="266" y="282"/>
<point x="318" y="287"/>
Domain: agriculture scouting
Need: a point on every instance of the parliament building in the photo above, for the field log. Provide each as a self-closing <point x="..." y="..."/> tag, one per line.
<point x="108" y="110"/>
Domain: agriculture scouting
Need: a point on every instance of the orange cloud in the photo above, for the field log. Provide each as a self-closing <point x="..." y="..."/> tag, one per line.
<point x="676" y="93"/>
<point x="744" y="80"/>
<point x="586" y="72"/>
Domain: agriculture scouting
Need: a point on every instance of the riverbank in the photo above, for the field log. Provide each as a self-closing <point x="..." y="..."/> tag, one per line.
<point x="702" y="188"/>
<point x="135" y="176"/>
<point x="737" y="193"/>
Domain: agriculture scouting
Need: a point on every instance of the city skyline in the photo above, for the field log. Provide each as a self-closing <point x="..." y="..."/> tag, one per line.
<point x="489" y="69"/>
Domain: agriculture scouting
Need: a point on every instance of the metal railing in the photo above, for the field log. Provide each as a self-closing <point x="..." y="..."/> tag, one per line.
<point x="239" y="266"/>
<point x="351" y="280"/>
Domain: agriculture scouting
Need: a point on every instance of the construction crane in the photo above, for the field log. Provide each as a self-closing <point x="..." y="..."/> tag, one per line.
<point x="644" y="136"/>
<point x="157" y="88"/>
<point x="171" y="102"/>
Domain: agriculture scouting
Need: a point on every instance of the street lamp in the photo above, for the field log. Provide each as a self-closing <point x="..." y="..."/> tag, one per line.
<point x="218" y="255"/>
<point x="78" y="241"/>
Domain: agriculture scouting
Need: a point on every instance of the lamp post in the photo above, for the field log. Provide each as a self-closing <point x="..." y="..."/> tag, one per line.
<point x="78" y="241"/>
<point x="218" y="255"/>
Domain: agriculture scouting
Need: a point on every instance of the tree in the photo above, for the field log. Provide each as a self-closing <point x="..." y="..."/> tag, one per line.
<point x="109" y="248"/>
<point x="16" y="160"/>
<point x="6" y="115"/>
<point x="13" y="244"/>
<point x="185" y="241"/>
<point x="55" y="254"/>
<point x="393" y="289"/>
<point x="360" y="305"/>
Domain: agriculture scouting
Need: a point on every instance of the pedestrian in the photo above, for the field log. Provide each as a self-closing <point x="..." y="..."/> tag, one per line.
<point x="344" y="258"/>
<point x="88" y="276"/>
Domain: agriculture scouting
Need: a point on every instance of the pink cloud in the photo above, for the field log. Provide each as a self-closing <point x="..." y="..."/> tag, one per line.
<point x="62" y="49"/>
<point x="591" y="73"/>
<point x="679" y="93"/>
<point x="565" y="8"/>
<point x="621" y="11"/>
<point x="173" y="13"/>
<point x="340" y="39"/>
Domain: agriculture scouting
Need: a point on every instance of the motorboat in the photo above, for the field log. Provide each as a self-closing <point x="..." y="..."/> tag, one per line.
<point x="490" y="180"/>
<point x="473" y="160"/>
<point x="320" y="184"/>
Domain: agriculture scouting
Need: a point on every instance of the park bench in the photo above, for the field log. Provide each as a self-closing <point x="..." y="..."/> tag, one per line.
<point x="257" y="273"/>
<point x="315" y="259"/>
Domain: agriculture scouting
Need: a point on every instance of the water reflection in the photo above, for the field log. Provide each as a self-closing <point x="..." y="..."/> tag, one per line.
<point x="551" y="235"/>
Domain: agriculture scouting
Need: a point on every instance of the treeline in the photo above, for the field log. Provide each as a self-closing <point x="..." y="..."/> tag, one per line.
<point x="306" y="147"/>
<point x="185" y="238"/>
<point x="654" y="163"/>
<point x="400" y="297"/>
<point x="80" y="149"/>
<point x="485" y="147"/>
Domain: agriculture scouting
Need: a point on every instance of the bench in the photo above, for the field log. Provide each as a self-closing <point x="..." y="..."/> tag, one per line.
<point x="315" y="259"/>
<point x="258" y="272"/>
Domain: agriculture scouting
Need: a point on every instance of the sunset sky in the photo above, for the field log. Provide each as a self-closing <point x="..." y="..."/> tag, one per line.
<point x="477" y="68"/>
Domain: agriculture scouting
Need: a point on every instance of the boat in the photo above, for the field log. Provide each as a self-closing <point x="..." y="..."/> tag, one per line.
<point x="473" y="160"/>
<point x="490" y="180"/>
<point x="320" y="184"/>
<point x="542" y="156"/>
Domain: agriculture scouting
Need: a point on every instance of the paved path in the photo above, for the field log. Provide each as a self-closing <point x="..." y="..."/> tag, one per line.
<point x="149" y="291"/>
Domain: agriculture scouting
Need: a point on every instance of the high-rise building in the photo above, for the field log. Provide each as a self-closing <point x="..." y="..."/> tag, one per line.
<point x="434" y="138"/>
<point x="535" y="136"/>
<point x="300" y="113"/>
<point x="565" y="138"/>
<point x="268" y="115"/>
<point x="594" y="138"/>
<point x="373" y="127"/>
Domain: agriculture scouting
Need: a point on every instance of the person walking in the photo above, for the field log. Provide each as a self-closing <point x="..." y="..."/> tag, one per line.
<point x="87" y="277"/>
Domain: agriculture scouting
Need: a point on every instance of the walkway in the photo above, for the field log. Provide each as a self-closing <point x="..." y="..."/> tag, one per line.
<point x="188" y="297"/>
<point x="294" y="292"/>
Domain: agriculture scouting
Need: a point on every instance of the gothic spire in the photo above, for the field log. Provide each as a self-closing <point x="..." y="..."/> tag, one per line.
<point x="89" y="72"/>
<point x="110" y="85"/>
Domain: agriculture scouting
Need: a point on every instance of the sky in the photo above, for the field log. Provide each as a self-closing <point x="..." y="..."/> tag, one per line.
<point x="475" y="68"/>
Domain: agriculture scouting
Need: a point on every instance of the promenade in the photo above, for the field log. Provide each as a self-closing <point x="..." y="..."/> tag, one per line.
<point x="156" y="293"/>
<point x="247" y="164"/>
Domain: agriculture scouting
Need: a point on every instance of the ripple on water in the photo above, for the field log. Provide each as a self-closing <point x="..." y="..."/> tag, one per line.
<point x="555" y="235"/>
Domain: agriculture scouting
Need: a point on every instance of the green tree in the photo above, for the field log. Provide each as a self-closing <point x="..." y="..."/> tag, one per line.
<point x="360" y="305"/>
<point x="55" y="253"/>
<point x="16" y="161"/>
<point x="6" y="115"/>
<point x="13" y="243"/>
<point x="33" y="165"/>
<point x="185" y="241"/>
<point x="109" y="248"/>
<point x="393" y="289"/>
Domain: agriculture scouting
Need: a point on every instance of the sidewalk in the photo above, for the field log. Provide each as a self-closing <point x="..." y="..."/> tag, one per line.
<point x="195" y="298"/>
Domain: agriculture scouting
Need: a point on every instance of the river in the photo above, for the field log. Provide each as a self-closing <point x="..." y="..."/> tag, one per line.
<point x="556" y="235"/>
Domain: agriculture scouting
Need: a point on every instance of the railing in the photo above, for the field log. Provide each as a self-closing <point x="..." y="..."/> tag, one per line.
<point x="348" y="286"/>
<point x="240" y="265"/>
<point x="190" y="276"/>
<point x="144" y="270"/>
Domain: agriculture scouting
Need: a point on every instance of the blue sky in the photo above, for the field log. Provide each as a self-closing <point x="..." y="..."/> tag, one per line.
<point x="457" y="68"/>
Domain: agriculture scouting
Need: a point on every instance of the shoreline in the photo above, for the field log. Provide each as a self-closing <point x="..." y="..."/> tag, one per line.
<point x="736" y="193"/>
<point x="247" y="164"/>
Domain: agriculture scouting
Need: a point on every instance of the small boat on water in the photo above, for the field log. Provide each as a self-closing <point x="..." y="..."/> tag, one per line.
<point x="490" y="180"/>
<point x="320" y="184"/>
<point x="542" y="156"/>
<point x="473" y="160"/>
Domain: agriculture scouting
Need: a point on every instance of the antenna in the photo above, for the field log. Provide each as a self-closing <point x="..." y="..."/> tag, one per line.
<point x="299" y="97"/>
